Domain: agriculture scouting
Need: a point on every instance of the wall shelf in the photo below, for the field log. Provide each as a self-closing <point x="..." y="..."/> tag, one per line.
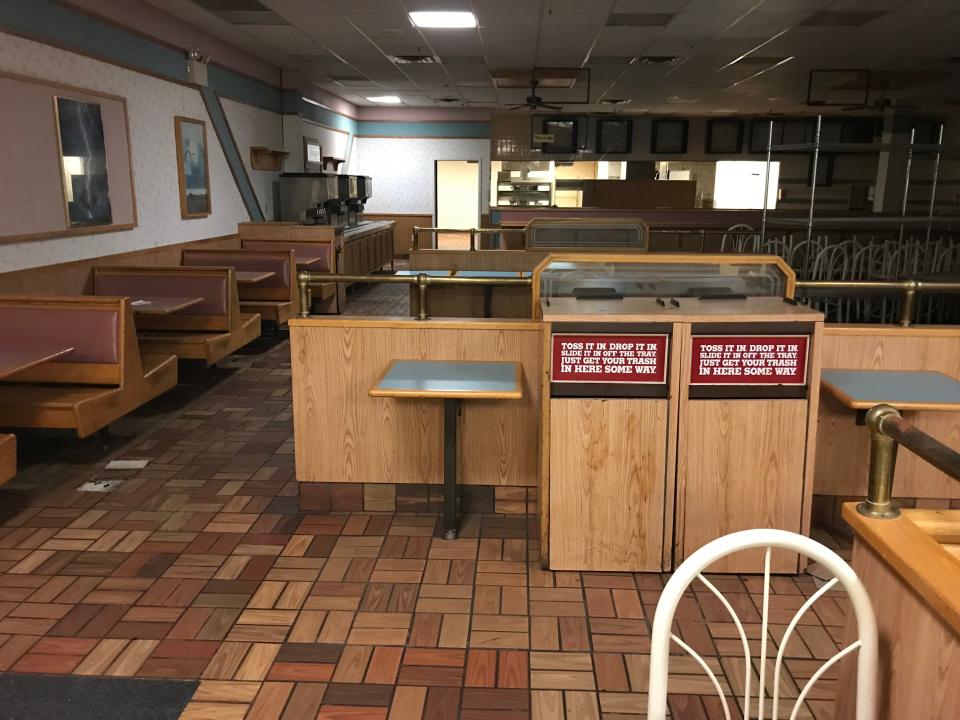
<point x="264" y="158"/>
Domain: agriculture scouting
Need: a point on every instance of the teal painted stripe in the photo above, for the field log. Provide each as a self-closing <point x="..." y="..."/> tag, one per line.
<point x="65" y="27"/>
<point x="222" y="129"/>
<point x="425" y="129"/>
<point x="323" y="116"/>
<point x="47" y="21"/>
<point x="244" y="89"/>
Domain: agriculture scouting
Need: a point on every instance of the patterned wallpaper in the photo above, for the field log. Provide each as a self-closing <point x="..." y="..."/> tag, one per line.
<point x="151" y="105"/>
<point x="255" y="127"/>
<point x="402" y="169"/>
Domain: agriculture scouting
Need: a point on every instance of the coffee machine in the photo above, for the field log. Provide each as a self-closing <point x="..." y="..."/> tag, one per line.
<point x="364" y="193"/>
<point x="310" y="199"/>
<point x="349" y="196"/>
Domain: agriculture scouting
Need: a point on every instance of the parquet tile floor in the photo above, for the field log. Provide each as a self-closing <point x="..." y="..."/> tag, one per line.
<point x="201" y="566"/>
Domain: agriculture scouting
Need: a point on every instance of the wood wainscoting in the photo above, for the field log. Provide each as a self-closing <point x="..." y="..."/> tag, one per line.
<point x="404" y="223"/>
<point x="342" y="435"/>
<point x="76" y="278"/>
<point x="843" y="446"/>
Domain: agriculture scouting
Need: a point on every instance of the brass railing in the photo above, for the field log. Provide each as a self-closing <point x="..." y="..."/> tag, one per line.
<point x="472" y="232"/>
<point x="907" y="289"/>
<point x="423" y="281"/>
<point x="888" y="430"/>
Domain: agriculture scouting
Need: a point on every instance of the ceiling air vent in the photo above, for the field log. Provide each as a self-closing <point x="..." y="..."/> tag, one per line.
<point x="658" y="60"/>
<point x="415" y="59"/>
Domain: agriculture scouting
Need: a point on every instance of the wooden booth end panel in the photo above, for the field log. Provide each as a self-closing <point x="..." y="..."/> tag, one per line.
<point x="919" y="674"/>
<point x="843" y="447"/>
<point x="740" y="466"/>
<point x="342" y="434"/>
<point x="843" y="454"/>
<point x="607" y="484"/>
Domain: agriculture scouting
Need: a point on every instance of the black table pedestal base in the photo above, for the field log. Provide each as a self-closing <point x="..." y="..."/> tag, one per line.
<point x="451" y="408"/>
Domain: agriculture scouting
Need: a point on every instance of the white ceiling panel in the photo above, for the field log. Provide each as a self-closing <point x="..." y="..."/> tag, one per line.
<point x="902" y="35"/>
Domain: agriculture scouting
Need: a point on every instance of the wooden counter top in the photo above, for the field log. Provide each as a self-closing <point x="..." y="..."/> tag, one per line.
<point x="923" y="547"/>
<point x="646" y="309"/>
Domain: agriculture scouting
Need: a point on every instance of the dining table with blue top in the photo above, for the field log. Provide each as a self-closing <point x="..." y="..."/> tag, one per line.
<point x="452" y="382"/>
<point x="903" y="389"/>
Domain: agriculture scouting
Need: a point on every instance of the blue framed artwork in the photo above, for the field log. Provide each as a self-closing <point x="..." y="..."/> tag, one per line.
<point x="192" y="167"/>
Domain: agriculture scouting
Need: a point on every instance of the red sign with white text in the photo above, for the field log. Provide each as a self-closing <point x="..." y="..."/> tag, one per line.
<point x="749" y="360"/>
<point x="638" y="359"/>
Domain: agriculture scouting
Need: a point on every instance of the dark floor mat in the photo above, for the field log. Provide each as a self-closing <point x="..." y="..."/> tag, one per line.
<point x="63" y="697"/>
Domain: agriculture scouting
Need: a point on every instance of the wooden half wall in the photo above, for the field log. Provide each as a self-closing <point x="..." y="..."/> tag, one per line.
<point x="76" y="278"/>
<point x="402" y="228"/>
<point x="342" y="435"/>
<point x="843" y="447"/>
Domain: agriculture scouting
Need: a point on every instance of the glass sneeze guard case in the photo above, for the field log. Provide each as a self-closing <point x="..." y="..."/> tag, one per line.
<point x="655" y="276"/>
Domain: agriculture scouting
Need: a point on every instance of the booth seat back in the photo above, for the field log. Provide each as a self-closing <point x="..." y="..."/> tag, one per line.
<point x="215" y="285"/>
<point x="93" y="327"/>
<point x="323" y="249"/>
<point x="280" y="262"/>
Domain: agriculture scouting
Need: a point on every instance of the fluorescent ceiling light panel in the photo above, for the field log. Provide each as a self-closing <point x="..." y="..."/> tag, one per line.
<point x="443" y="19"/>
<point x="385" y="99"/>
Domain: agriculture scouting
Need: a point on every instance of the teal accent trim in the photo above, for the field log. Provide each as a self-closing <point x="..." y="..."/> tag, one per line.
<point x="424" y="129"/>
<point x="222" y="128"/>
<point x="245" y="89"/>
<point x="323" y="116"/>
<point x="46" y="21"/>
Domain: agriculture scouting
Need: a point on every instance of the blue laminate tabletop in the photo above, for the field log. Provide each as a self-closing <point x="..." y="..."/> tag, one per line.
<point x="904" y="389"/>
<point x="449" y="379"/>
<point x="488" y="273"/>
<point x="432" y="273"/>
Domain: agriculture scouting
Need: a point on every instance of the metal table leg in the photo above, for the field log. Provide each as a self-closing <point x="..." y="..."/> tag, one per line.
<point x="451" y="408"/>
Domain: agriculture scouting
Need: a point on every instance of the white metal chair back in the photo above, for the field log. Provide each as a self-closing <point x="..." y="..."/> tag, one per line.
<point x="692" y="569"/>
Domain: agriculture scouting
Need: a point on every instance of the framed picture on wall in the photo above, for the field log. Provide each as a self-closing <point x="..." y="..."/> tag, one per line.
<point x="724" y="136"/>
<point x="83" y="163"/>
<point x="192" y="167"/>
<point x="614" y="135"/>
<point x="669" y="136"/>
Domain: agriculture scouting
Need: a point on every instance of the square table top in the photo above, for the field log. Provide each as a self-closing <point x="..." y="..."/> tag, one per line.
<point x="305" y="261"/>
<point x="252" y="277"/>
<point x="450" y="379"/>
<point x="17" y="358"/>
<point x="489" y="273"/>
<point x="162" y="305"/>
<point x="904" y="389"/>
<point x="432" y="273"/>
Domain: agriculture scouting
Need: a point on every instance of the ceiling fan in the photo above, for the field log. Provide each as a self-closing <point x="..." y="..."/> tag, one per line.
<point x="534" y="102"/>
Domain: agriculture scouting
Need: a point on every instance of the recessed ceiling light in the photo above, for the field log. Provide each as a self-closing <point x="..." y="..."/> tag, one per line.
<point x="385" y="99"/>
<point x="443" y="19"/>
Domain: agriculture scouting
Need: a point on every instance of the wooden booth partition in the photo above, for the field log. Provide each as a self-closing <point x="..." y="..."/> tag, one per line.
<point x="843" y="441"/>
<point x="344" y="436"/>
<point x="910" y="566"/>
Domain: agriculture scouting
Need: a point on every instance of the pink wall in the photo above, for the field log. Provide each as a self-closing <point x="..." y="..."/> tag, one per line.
<point x="139" y="17"/>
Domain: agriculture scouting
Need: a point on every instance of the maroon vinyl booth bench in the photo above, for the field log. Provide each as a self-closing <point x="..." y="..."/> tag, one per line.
<point x="327" y="297"/>
<point x="276" y="299"/>
<point x="208" y="331"/>
<point x="8" y="457"/>
<point x="102" y="379"/>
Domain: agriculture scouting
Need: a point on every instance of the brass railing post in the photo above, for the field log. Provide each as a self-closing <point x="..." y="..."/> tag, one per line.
<point x="306" y="296"/>
<point x="422" y="282"/>
<point x="415" y="240"/>
<point x="909" y="301"/>
<point x="473" y="239"/>
<point x="883" y="462"/>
